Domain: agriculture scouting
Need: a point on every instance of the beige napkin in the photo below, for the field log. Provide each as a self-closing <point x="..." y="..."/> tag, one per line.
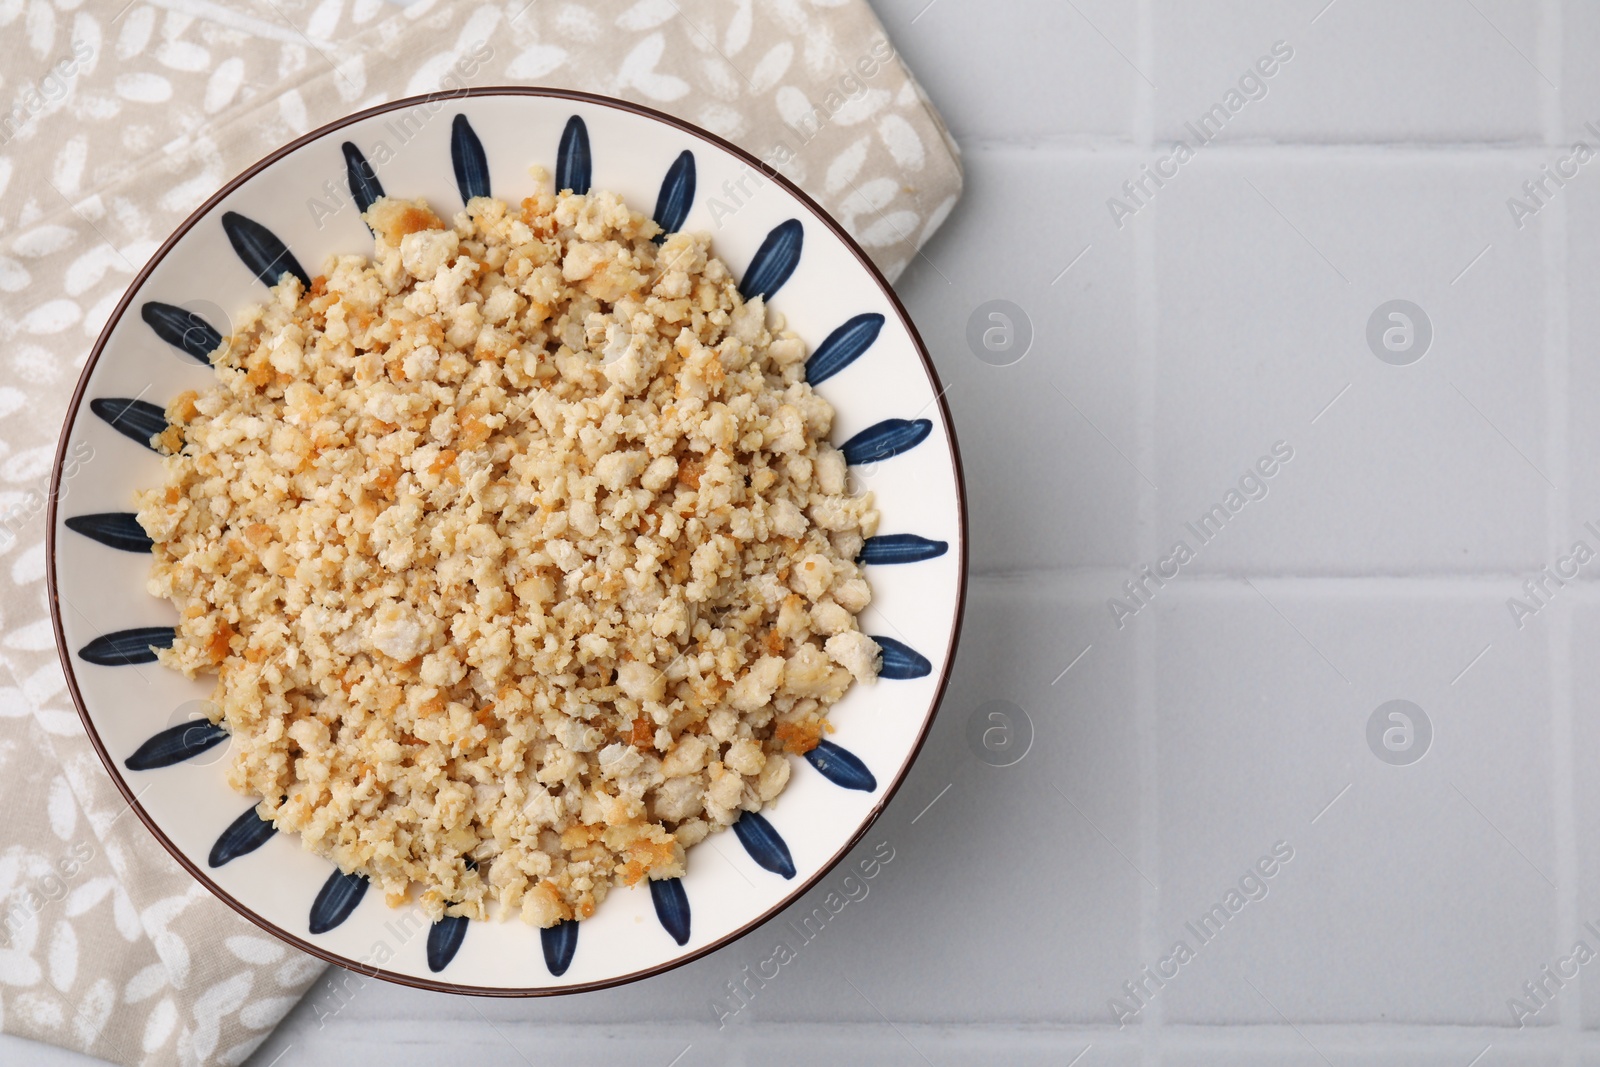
<point x="122" y="120"/>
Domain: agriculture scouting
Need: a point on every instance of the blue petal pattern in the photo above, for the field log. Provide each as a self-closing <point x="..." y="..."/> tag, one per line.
<point x="574" y="166"/>
<point x="259" y="249"/>
<point x="336" y="899"/>
<point x="843" y="347"/>
<point x="114" y="529"/>
<point x="244" y="835"/>
<point x="560" y="942"/>
<point x="900" y="548"/>
<point x="901" y="661"/>
<point x="182" y="329"/>
<point x="888" y="438"/>
<point x="444" y="941"/>
<point x="127" y="647"/>
<point x="764" y="844"/>
<point x="176" y="744"/>
<point x="137" y="420"/>
<point x="268" y="258"/>
<point x="841" y="767"/>
<point x="471" y="165"/>
<point x="365" y="188"/>
<point x="676" y="196"/>
<point x="774" y="261"/>
<point x="672" y="907"/>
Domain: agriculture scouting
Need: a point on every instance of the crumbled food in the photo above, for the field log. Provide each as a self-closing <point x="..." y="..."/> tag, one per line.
<point x="518" y="551"/>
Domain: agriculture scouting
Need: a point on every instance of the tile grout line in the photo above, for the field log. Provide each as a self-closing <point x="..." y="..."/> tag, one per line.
<point x="1553" y="244"/>
<point x="1144" y="696"/>
<point x="1493" y="584"/>
<point x="1487" y="586"/>
<point x="1526" y="151"/>
<point x="1068" y="1038"/>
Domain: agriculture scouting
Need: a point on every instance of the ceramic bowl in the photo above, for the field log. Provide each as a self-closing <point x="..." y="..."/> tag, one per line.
<point x="301" y="205"/>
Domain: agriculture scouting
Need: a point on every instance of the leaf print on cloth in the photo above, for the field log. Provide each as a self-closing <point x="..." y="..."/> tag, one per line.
<point x="739" y="27"/>
<point x="639" y="71"/>
<point x="63" y="810"/>
<point x="145" y="984"/>
<point x="222" y="999"/>
<point x="88" y="895"/>
<point x="63" y="956"/>
<point x="536" y="61"/>
<point x="255" y="949"/>
<point x="647" y="15"/>
<point x="159" y="1026"/>
<point x="94" y="1011"/>
<point x="846" y="165"/>
<point x="902" y="141"/>
<point x="18" y="968"/>
<point x="771" y="68"/>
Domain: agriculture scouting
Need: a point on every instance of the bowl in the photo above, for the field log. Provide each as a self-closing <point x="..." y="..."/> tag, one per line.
<point x="302" y="204"/>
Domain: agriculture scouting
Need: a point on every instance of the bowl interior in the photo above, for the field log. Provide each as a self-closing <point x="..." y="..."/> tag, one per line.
<point x="302" y="196"/>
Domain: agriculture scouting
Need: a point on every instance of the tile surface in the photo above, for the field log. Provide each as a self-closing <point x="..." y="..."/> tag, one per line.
<point x="1023" y="71"/>
<point x="1268" y="273"/>
<point x="1064" y="383"/>
<point x="1262" y="743"/>
<point x="1355" y="70"/>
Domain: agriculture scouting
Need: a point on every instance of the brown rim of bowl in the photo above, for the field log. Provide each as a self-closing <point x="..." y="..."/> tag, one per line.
<point x="199" y="213"/>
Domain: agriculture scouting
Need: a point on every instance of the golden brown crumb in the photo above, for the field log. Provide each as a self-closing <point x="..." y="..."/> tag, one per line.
<point x="519" y="551"/>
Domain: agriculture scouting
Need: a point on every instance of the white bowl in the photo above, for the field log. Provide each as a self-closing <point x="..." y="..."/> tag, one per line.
<point x="869" y="363"/>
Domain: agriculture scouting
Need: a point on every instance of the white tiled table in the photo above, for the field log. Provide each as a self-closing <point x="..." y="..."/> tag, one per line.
<point x="1230" y="714"/>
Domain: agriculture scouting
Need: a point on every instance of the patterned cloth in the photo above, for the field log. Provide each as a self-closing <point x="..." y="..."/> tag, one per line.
<point x="122" y="120"/>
